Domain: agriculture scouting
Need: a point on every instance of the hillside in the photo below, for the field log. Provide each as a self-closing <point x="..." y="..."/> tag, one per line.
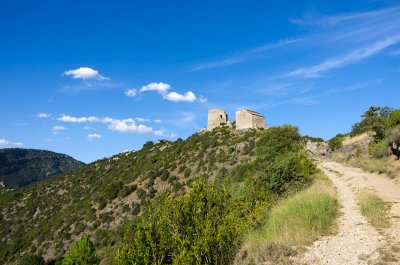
<point x="20" y="167"/>
<point x="46" y="217"/>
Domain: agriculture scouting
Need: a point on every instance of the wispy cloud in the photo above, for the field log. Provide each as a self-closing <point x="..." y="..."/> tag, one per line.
<point x="43" y="115"/>
<point x="57" y="129"/>
<point x="346" y="17"/>
<point x="341" y="61"/>
<point x="5" y="142"/>
<point x="243" y="56"/>
<point x="131" y="93"/>
<point x="94" y="136"/>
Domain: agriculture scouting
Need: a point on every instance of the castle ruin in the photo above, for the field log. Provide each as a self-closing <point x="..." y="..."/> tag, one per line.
<point x="245" y="119"/>
<point x="216" y="118"/>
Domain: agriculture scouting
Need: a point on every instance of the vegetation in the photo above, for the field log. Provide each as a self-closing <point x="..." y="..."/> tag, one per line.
<point x="336" y="142"/>
<point x="201" y="227"/>
<point x="102" y="195"/>
<point x="295" y="221"/>
<point x="383" y="126"/>
<point x="81" y="252"/>
<point x="31" y="259"/>
<point x="375" y="210"/>
<point x="20" y="167"/>
<point x="184" y="202"/>
<point x="206" y="226"/>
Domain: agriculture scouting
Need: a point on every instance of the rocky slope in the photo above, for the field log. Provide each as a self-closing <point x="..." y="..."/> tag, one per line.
<point x="20" y="167"/>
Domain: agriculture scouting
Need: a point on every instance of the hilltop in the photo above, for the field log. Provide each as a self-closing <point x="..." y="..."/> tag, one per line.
<point x="46" y="217"/>
<point x="20" y="167"/>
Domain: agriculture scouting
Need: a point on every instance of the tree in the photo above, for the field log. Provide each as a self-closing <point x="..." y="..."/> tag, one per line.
<point x="81" y="253"/>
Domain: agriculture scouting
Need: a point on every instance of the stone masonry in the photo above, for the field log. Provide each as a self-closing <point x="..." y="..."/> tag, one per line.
<point x="216" y="117"/>
<point x="245" y="119"/>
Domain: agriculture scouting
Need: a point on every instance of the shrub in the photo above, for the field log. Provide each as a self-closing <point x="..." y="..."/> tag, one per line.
<point x="31" y="259"/>
<point x="378" y="149"/>
<point x="277" y="140"/>
<point x="202" y="227"/>
<point x="81" y="252"/>
<point x="394" y="118"/>
<point x="336" y="142"/>
<point x="289" y="171"/>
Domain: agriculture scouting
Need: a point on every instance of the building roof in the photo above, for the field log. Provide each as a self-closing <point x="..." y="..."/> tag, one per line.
<point x="252" y="112"/>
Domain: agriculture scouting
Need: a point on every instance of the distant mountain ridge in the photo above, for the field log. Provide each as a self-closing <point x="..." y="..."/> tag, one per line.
<point x="20" y="167"/>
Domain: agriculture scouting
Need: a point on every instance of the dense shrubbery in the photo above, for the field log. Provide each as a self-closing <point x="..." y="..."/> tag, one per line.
<point x="384" y="123"/>
<point x="281" y="163"/>
<point x="206" y="225"/>
<point x="202" y="227"/>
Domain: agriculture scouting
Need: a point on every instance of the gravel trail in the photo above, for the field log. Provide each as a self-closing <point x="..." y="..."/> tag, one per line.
<point x="356" y="242"/>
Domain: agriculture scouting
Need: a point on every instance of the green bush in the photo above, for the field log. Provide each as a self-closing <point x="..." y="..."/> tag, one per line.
<point x="31" y="259"/>
<point x="394" y="118"/>
<point x="81" y="253"/>
<point x="379" y="149"/>
<point x="205" y="226"/>
<point x="277" y="140"/>
<point x="289" y="171"/>
<point x="336" y="142"/>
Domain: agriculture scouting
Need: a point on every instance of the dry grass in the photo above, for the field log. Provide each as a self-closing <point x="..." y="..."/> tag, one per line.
<point x="375" y="210"/>
<point x="356" y="139"/>
<point x="295" y="222"/>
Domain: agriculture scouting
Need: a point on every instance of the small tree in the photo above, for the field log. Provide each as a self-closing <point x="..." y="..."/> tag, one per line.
<point x="81" y="253"/>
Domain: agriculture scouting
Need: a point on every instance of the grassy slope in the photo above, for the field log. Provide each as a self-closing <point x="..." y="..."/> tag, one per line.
<point x="45" y="218"/>
<point x="296" y="221"/>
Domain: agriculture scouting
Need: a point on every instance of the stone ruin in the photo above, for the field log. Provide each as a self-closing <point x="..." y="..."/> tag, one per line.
<point x="216" y="118"/>
<point x="245" y="119"/>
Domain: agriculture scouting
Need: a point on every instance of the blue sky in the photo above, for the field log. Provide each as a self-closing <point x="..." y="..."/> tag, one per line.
<point x="95" y="78"/>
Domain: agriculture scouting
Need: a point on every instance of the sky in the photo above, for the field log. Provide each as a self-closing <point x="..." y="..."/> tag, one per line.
<point x="95" y="78"/>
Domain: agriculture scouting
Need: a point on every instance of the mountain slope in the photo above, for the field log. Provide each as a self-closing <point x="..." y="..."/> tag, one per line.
<point x="20" y="167"/>
<point x="46" y="217"/>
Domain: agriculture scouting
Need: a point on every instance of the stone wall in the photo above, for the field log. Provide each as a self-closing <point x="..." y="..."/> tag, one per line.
<point x="246" y="119"/>
<point x="216" y="117"/>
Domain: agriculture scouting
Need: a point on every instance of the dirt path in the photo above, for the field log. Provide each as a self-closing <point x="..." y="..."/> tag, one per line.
<point x="355" y="241"/>
<point x="388" y="190"/>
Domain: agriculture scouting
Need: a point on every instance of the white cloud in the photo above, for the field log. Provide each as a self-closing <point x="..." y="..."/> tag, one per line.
<point x="85" y="73"/>
<point x="352" y="57"/>
<point x="43" y="115"/>
<point x="129" y="126"/>
<point x="94" y="136"/>
<point x="131" y="93"/>
<point x="176" y="97"/>
<point x="11" y="144"/>
<point x="57" y="129"/>
<point x="67" y="118"/>
<point x="157" y="121"/>
<point x="160" y="87"/>
<point x="125" y="125"/>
